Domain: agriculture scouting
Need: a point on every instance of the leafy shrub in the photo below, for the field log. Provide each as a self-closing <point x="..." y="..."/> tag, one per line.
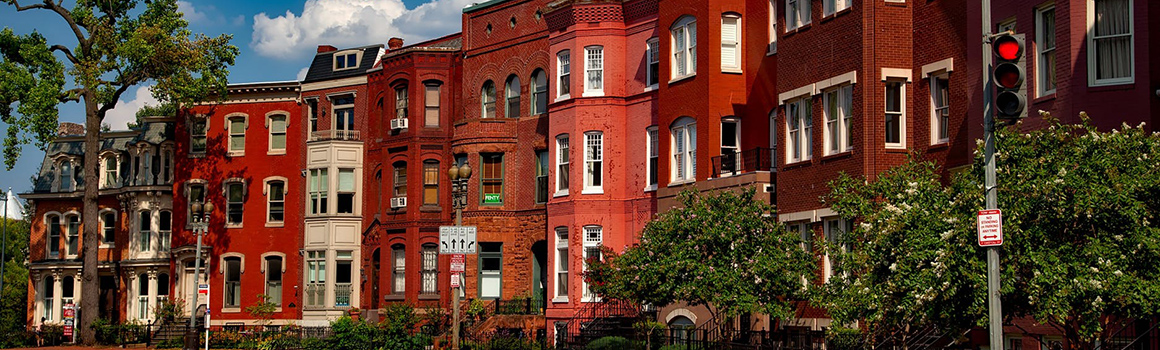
<point x="171" y="344"/>
<point x="609" y="343"/>
<point x="675" y="347"/>
<point x="352" y="335"/>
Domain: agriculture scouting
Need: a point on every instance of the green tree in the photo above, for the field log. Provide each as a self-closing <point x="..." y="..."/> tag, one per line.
<point x="263" y="310"/>
<point x="15" y="294"/>
<point x="1080" y="246"/>
<point x="162" y="109"/>
<point x="725" y="251"/>
<point x="117" y="46"/>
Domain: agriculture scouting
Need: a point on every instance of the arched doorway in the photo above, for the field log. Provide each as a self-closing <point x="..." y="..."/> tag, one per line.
<point x="374" y="280"/>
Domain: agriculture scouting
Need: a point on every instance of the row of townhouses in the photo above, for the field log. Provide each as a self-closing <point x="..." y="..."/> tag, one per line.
<point x="581" y="119"/>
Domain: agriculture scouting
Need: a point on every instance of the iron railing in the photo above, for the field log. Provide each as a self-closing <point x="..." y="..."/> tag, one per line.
<point x="525" y="306"/>
<point x="747" y="161"/>
<point x="335" y="135"/>
<point x="342" y="292"/>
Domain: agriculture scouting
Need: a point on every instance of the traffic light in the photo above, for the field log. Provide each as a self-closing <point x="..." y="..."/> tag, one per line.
<point x="1008" y="73"/>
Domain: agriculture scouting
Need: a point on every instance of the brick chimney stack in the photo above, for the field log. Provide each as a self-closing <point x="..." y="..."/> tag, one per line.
<point x="326" y="48"/>
<point x="395" y="43"/>
<point x="66" y="129"/>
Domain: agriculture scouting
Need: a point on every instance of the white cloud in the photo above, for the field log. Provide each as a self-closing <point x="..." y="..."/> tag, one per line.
<point x="238" y="21"/>
<point x="119" y="117"/>
<point x="347" y="23"/>
<point x="302" y="73"/>
<point x="191" y="14"/>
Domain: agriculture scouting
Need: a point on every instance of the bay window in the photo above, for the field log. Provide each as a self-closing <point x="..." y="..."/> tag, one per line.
<point x="684" y="44"/>
<point x="684" y="148"/>
<point x="593" y="162"/>
<point x="594" y="71"/>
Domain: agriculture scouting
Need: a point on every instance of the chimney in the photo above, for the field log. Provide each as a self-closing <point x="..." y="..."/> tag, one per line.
<point x="395" y="43"/>
<point x="326" y="48"/>
<point x="66" y="129"/>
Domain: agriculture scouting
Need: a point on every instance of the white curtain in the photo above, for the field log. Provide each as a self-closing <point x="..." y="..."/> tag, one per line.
<point x="1113" y="39"/>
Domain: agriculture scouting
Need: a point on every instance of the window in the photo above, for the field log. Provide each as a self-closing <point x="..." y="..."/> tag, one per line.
<point x="430" y="182"/>
<point x="345" y="61"/>
<point x="342" y="278"/>
<point x="563" y="73"/>
<point x="401" y="102"/>
<point x="430" y="273"/>
<point x="398" y="269"/>
<point x="562" y="161"/>
<point x="68" y="291"/>
<point x="319" y="188"/>
<point x="895" y="115"/>
<point x="541" y="176"/>
<point x="594" y="70"/>
<point x="277" y="134"/>
<point x="593" y="162"/>
<point x="196" y="195"/>
<point x="490" y="270"/>
<point x="539" y="92"/>
<point x="829" y="7"/>
<point x="839" y="120"/>
<point x="232" y="294"/>
<point x="315" y="278"/>
<point x="145" y="231"/>
<point x="399" y="188"/>
<point x="235" y="195"/>
<point x="940" y="107"/>
<point x="74" y="234"/>
<point x="167" y="166"/>
<point x="1110" y="49"/>
<point x="162" y="288"/>
<point x="807" y="241"/>
<point x="378" y="190"/>
<point x="799" y="126"/>
<point x="49" y="296"/>
<point x="110" y="174"/>
<point x="730" y="145"/>
<point x="653" y="156"/>
<point x="145" y="175"/>
<point x="237" y="135"/>
<point x="731" y="42"/>
<point x="835" y="231"/>
<point x="431" y="105"/>
<point x="65" y="178"/>
<point x="684" y="36"/>
<point x="797" y="14"/>
<point x="346" y="191"/>
<point x="165" y="229"/>
<point x="142" y="297"/>
<point x="1006" y="25"/>
<point x="1045" y="51"/>
<point x="313" y="103"/>
<point x="684" y="135"/>
<point x="512" y="97"/>
<point x="653" y="52"/>
<point x="197" y="139"/>
<point x="275" y="201"/>
<point x="344" y="116"/>
<point x="487" y="100"/>
<point x="274" y="279"/>
<point x="492" y="178"/>
<point x="108" y="227"/>
<point x="772" y="28"/>
<point x="593" y="240"/>
<point x="562" y="262"/>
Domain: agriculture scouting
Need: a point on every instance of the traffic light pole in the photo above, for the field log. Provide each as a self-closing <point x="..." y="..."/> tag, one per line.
<point x="994" y="304"/>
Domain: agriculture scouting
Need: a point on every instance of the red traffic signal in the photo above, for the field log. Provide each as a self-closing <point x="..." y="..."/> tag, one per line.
<point x="1008" y="74"/>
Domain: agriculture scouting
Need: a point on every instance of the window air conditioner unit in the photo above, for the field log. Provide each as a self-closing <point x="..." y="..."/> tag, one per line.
<point x="398" y="123"/>
<point x="398" y="202"/>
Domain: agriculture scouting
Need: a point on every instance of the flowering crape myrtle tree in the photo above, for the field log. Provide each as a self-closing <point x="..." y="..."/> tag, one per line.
<point x="725" y="251"/>
<point x="1081" y="238"/>
<point x="115" y="45"/>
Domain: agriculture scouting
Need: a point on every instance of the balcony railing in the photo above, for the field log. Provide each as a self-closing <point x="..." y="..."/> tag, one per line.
<point x="750" y="160"/>
<point x="315" y="295"/>
<point x="335" y="135"/>
<point x="342" y="293"/>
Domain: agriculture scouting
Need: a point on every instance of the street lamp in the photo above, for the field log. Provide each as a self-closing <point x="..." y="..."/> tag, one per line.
<point x="199" y="215"/>
<point x="459" y="176"/>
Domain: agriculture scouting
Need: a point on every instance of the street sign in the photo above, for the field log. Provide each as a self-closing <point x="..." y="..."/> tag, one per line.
<point x="990" y="228"/>
<point x="70" y="315"/>
<point x="458" y="263"/>
<point x="457" y="239"/>
<point x="455" y="280"/>
<point x="492" y="198"/>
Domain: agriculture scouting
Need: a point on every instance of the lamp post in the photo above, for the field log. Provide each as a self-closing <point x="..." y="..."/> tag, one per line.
<point x="459" y="176"/>
<point x="199" y="213"/>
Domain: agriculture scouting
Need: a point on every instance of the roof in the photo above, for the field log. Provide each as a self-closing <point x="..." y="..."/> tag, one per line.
<point x="322" y="68"/>
<point x="482" y="5"/>
<point x="449" y="43"/>
<point x="153" y="130"/>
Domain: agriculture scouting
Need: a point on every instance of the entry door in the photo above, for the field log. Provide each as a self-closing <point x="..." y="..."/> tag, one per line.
<point x="188" y="288"/>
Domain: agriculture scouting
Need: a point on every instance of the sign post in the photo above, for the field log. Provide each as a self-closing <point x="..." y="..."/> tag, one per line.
<point x="990" y="228"/>
<point x="457" y="241"/>
<point x="70" y="316"/>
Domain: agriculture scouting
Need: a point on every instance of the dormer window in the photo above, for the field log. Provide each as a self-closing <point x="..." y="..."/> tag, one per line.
<point x="345" y="60"/>
<point x="65" y="177"/>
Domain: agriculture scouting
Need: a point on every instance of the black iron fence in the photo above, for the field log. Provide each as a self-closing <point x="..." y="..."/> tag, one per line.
<point x="525" y="306"/>
<point x="750" y="160"/>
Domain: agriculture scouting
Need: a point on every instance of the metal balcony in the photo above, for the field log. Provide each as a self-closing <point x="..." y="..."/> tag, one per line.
<point x="335" y="135"/>
<point x="750" y="160"/>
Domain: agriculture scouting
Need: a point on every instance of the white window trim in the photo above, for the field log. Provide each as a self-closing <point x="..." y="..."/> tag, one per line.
<point x="560" y="74"/>
<point x="226" y="196"/>
<point x="343" y="54"/>
<point x="688" y="162"/>
<point x="1091" y="44"/>
<point x="839" y="121"/>
<point x="1039" y="38"/>
<point x="588" y="90"/>
<point x="556" y="297"/>
<point x="946" y="65"/>
<point x="652" y="44"/>
<point x="736" y="65"/>
<point x="799" y="7"/>
<point x="270" y="150"/>
<point x="839" y="6"/>
<point x="934" y="139"/>
<point x="588" y="161"/>
<point x="901" y="121"/>
<point x="772" y="47"/>
<point x="64" y="222"/>
<point x="266" y="192"/>
<point x="230" y="134"/>
<point x="649" y="151"/>
<point x="560" y="192"/>
<point x="690" y="51"/>
<point x="241" y="271"/>
<point x="805" y="147"/>
<point x="584" y="296"/>
<point x="737" y="141"/>
<point x="101" y="222"/>
<point x="189" y="132"/>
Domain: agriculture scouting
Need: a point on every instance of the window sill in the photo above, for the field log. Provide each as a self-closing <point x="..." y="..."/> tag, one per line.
<point x="651" y="188"/>
<point x="394" y="297"/>
<point x="1113" y="85"/>
<point x="276" y="153"/>
<point x="772" y="50"/>
<point x="196" y="155"/>
<point x="106" y="246"/>
<point x="427" y="208"/>
<point x="593" y="94"/>
<point x="560" y="193"/>
<point x="590" y="300"/>
<point x="560" y="299"/>
<point x="1046" y="97"/>
<point x="681" y="182"/>
<point x="797" y="163"/>
<point x="939" y="146"/>
<point x="599" y="190"/>
<point x="235" y="154"/>
<point x="731" y="71"/>
<point x="562" y="98"/>
<point x="276" y="224"/>
<point x="837" y="155"/>
<point x="651" y="88"/>
<point x="230" y="310"/>
<point x="940" y="142"/>
<point x="233" y="225"/>
<point x="687" y="77"/>
<point x="428" y="296"/>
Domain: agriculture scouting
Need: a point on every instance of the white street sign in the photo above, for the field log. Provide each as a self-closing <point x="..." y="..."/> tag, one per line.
<point x="990" y="228"/>
<point x="455" y="280"/>
<point x="456" y="239"/>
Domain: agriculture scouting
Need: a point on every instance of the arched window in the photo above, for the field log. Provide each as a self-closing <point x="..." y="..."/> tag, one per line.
<point x="684" y="148"/>
<point x="144" y="231"/>
<point x="48" y="296"/>
<point x="684" y="46"/>
<point x="398" y="269"/>
<point x="682" y="329"/>
<point x="109" y="176"/>
<point x="235" y="197"/>
<point x="539" y="89"/>
<point x="142" y="297"/>
<point x="401" y="101"/>
<point x="731" y="42"/>
<point x="108" y="227"/>
<point x="233" y="282"/>
<point x="275" y="201"/>
<point x="65" y="177"/>
<point x="512" y="93"/>
<point x="563" y="74"/>
<point x="67" y="290"/>
<point x="430" y="269"/>
<point x="53" y="243"/>
<point x="274" y="279"/>
<point x="431" y="103"/>
<point x="165" y="229"/>
<point x="74" y="234"/>
<point x="400" y="179"/>
<point x="237" y="130"/>
<point x="487" y="100"/>
<point x="277" y="134"/>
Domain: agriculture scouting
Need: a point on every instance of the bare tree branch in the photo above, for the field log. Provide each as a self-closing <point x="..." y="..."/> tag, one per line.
<point x="67" y="53"/>
<point x="117" y="96"/>
<point x="25" y="8"/>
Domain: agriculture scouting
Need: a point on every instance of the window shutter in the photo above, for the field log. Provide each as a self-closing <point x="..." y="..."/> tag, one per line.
<point x="729" y="36"/>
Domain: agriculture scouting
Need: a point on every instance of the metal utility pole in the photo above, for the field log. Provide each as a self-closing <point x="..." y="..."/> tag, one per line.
<point x="459" y="176"/>
<point x="994" y="304"/>
<point x="201" y="214"/>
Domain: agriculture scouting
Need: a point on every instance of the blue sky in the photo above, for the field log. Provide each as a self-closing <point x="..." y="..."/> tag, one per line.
<point x="277" y="41"/>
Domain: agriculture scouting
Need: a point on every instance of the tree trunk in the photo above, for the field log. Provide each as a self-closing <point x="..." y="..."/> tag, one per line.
<point x="90" y="290"/>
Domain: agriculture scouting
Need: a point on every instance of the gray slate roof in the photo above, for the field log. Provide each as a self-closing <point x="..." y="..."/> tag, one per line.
<point x="322" y="68"/>
<point x="153" y="132"/>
